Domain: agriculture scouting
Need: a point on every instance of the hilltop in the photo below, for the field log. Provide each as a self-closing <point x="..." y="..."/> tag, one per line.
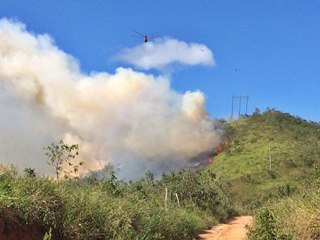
<point x="268" y="156"/>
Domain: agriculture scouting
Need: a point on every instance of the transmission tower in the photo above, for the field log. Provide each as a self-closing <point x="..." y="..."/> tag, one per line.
<point x="240" y="105"/>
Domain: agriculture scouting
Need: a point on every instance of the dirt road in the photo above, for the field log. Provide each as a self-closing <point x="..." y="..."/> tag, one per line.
<point x="233" y="230"/>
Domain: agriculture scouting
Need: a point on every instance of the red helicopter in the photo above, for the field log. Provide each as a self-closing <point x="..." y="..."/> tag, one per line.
<point x="144" y="36"/>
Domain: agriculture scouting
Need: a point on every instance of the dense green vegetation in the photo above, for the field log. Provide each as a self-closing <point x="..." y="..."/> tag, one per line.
<point x="293" y="217"/>
<point x="269" y="167"/>
<point x="89" y="208"/>
<point x="269" y="156"/>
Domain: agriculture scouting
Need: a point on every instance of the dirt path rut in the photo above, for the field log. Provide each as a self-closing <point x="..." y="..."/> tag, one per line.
<point x="233" y="230"/>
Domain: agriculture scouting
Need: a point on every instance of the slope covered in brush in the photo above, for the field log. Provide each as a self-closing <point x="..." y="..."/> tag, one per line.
<point x="178" y="206"/>
<point x="268" y="156"/>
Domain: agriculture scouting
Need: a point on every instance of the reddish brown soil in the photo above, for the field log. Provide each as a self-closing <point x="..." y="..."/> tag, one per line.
<point x="235" y="229"/>
<point x="11" y="228"/>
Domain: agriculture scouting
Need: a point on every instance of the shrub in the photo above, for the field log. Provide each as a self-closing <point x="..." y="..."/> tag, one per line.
<point x="264" y="227"/>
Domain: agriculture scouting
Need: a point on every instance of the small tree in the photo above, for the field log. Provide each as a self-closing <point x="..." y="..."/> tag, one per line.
<point x="29" y="172"/>
<point x="149" y="176"/>
<point x="61" y="157"/>
<point x="256" y="112"/>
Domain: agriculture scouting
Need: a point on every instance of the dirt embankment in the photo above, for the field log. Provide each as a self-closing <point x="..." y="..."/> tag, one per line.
<point x="235" y="229"/>
<point x="11" y="228"/>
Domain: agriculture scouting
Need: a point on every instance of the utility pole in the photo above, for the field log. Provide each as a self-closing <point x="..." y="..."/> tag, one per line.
<point x="232" y="107"/>
<point x="240" y="106"/>
<point x="270" y="158"/>
<point x="247" y="97"/>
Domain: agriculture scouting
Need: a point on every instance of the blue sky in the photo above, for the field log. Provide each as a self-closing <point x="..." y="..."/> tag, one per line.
<point x="274" y="44"/>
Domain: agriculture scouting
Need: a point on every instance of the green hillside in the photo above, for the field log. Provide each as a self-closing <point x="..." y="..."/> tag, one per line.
<point x="268" y="156"/>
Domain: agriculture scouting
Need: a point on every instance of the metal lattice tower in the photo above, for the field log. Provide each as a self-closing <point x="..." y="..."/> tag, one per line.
<point x="240" y="105"/>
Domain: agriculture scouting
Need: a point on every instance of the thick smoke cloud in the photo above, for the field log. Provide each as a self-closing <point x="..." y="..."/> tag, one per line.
<point x="130" y="119"/>
<point x="163" y="52"/>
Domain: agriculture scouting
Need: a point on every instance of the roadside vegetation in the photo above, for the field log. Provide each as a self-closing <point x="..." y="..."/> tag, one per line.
<point x="295" y="217"/>
<point x="92" y="208"/>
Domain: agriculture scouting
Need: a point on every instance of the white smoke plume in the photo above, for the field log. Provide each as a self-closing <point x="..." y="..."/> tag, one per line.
<point x="162" y="52"/>
<point x="129" y="119"/>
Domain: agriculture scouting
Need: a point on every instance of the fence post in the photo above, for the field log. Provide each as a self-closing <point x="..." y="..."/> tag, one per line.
<point x="166" y="199"/>
<point x="178" y="199"/>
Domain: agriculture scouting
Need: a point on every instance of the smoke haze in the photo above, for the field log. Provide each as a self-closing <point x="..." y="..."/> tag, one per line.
<point x="130" y="119"/>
